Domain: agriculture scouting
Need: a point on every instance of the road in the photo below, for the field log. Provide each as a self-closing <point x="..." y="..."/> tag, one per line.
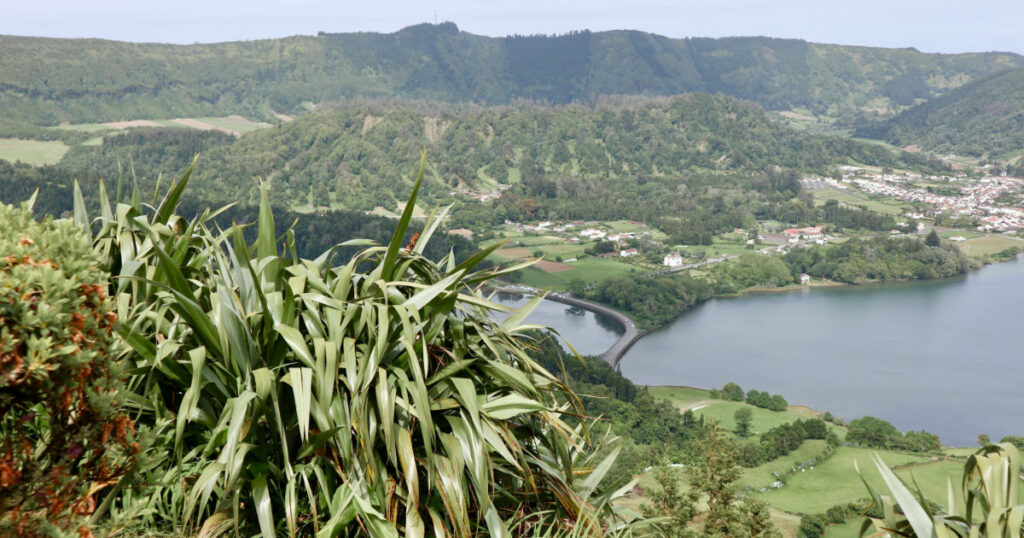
<point x="630" y="332"/>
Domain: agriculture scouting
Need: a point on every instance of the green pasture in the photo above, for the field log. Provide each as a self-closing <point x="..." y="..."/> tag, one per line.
<point x="591" y="269"/>
<point x="989" y="244"/>
<point x="856" y="198"/>
<point x="835" y="480"/>
<point x="763" y="475"/>
<point x="35" y="152"/>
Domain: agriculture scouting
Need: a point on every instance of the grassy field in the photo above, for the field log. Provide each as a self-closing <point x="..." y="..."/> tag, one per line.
<point x="850" y="529"/>
<point x="989" y="244"/>
<point x="762" y="476"/>
<point x="681" y="396"/>
<point x="718" y="247"/>
<point x="835" y="481"/>
<point x="724" y="411"/>
<point x="235" y="123"/>
<point x="855" y="198"/>
<point x="590" y="269"/>
<point x="35" y="152"/>
<point x="229" y="123"/>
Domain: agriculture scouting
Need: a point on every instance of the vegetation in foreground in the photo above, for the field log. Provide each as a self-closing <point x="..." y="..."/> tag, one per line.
<point x="371" y="397"/>
<point x="293" y="396"/>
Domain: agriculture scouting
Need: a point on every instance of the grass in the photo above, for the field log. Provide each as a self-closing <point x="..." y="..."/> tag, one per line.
<point x="681" y="396"/>
<point x="34" y="152"/>
<point x="234" y="123"/>
<point x="718" y="247"/>
<point x="850" y="529"/>
<point x="724" y="411"/>
<point x="590" y="269"/>
<point x="835" y="481"/>
<point x="762" y="475"/>
<point x="990" y="244"/>
<point x="855" y="198"/>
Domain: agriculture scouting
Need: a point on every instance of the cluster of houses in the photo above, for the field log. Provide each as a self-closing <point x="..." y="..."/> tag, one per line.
<point x="977" y="199"/>
<point x="589" y="233"/>
<point x="482" y="196"/>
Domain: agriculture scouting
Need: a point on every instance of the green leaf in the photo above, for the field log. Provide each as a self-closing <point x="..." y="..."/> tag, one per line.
<point x="170" y="201"/>
<point x="302" y="388"/>
<point x="916" y="515"/>
<point x="388" y="265"/>
<point x="266" y="237"/>
<point x="509" y="406"/>
<point x="264" y="512"/>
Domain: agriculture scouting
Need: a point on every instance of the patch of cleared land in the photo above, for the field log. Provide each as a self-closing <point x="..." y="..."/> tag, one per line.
<point x="857" y="198"/>
<point x="34" y="152"/>
<point x="513" y="253"/>
<point x="553" y="267"/>
<point x="990" y="244"/>
<point x="590" y="269"/>
<point x="235" y="125"/>
<point x="835" y="480"/>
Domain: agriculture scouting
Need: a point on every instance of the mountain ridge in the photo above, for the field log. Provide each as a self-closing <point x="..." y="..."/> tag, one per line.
<point x="51" y="80"/>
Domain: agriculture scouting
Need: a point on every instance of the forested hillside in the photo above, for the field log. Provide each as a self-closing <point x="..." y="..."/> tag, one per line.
<point x="642" y="151"/>
<point x="47" y="81"/>
<point x="983" y="118"/>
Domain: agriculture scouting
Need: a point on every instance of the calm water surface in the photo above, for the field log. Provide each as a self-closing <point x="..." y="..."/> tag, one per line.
<point x="943" y="356"/>
<point x="589" y="333"/>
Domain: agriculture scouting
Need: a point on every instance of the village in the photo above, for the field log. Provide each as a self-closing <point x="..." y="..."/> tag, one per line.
<point x="994" y="202"/>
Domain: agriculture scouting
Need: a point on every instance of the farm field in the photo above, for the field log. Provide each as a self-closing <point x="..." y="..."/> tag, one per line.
<point x="835" y="480"/>
<point x="990" y="244"/>
<point x="763" y="475"/>
<point x="232" y="124"/>
<point x="35" y="152"/>
<point x="856" y="198"/>
<point x="590" y="269"/>
<point x="723" y="411"/>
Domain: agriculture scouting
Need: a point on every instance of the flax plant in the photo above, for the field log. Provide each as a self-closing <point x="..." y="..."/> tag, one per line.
<point x="374" y="396"/>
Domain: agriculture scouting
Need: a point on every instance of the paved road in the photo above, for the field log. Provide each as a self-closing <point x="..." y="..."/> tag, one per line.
<point x="630" y="333"/>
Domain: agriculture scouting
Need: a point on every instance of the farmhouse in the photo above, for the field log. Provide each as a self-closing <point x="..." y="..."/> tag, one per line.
<point x="810" y="232"/>
<point x="673" y="260"/>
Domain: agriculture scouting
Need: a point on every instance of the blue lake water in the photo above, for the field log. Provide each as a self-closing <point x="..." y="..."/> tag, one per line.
<point x="944" y="356"/>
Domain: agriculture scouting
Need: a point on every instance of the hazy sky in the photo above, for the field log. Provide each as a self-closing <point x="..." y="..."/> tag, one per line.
<point x="929" y="25"/>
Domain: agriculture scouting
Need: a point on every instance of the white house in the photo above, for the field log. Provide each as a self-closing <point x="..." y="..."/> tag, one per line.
<point x="628" y="253"/>
<point x="805" y="278"/>
<point x="673" y="260"/>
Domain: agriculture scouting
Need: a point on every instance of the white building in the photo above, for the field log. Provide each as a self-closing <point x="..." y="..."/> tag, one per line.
<point x="673" y="260"/>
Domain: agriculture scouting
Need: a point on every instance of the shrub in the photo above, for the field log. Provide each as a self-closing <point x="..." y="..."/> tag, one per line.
<point x="63" y="434"/>
<point x="371" y="397"/>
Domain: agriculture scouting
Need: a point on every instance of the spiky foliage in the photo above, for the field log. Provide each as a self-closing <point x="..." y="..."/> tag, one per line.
<point x="63" y="434"/>
<point x="302" y="397"/>
<point x="991" y="485"/>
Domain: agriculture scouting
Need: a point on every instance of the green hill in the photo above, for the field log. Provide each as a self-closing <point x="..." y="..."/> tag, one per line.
<point x="357" y="155"/>
<point x="982" y="119"/>
<point x="47" y="81"/>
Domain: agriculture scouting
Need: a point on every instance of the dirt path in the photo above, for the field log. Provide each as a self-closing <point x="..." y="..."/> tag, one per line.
<point x="695" y="406"/>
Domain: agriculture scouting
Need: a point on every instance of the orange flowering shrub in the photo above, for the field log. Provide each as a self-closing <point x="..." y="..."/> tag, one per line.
<point x="64" y="437"/>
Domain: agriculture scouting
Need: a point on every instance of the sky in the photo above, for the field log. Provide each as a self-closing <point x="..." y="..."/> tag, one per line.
<point x="928" y="25"/>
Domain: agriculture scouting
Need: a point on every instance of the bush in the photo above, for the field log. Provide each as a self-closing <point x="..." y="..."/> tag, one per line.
<point x="732" y="391"/>
<point x="63" y="435"/>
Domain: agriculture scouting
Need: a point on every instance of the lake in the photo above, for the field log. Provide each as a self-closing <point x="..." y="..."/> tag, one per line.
<point x="589" y="333"/>
<point x="944" y="356"/>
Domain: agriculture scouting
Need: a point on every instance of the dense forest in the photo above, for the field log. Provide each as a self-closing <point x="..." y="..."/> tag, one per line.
<point x="982" y="119"/>
<point x="47" y="81"/>
<point x="567" y="160"/>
